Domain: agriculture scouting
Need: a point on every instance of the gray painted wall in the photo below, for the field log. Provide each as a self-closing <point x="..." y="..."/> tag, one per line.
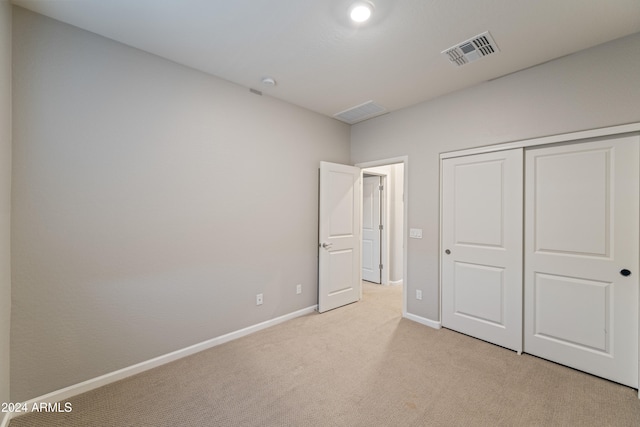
<point x="5" y="195"/>
<point x="594" y="88"/>
<point x="151" y="202"/>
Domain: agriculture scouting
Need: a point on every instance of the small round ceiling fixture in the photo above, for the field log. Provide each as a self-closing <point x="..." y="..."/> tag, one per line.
<point x="361" y="12"/>
<point x="268" y="81"/>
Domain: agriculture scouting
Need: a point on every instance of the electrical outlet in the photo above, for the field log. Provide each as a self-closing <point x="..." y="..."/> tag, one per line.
<point x="258" y="299"/>
<point x="298" y="289"/>
<point x="418" y="294"/>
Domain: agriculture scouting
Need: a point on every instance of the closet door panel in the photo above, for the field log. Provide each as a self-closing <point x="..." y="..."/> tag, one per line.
<point x="482" y="246"/>
<point x="581" y="218"/>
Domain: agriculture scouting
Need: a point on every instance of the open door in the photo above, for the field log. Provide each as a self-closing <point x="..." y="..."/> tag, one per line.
<point x="339" y="271"/>
<point x="371" y="228"/>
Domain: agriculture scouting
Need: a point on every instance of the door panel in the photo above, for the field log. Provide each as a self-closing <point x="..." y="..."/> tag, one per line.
<point x="560" y="223"/>
<point x="482" y="230"/>
<point x="341" y="267"/>
<point x="479" y="207"/>
<point x="586" y="302"/>
<point x="340" y="198"/>
<point x="339" y="236"/>
<point x="581" y="231"/>
<point x="479" y="292"/>
<point x="371" y="229"/>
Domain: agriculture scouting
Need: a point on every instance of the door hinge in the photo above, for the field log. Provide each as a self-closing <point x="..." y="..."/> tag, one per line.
<point x="380" y="266"/>
<point x="380" y="227"/>
<point x="381" y="187"/>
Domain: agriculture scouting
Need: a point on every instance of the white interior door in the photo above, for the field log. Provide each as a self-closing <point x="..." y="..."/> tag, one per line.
<point x="371" y="232"/>
<point x="339" y="258"/>
<point x="581" y="234"/>
<point x="482" y="246"/>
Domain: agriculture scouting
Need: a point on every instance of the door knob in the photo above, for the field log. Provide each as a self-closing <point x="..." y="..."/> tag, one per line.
<point x="327" y="245"/>
<point x="447" y="252"/>
<point x="625" y="272"/>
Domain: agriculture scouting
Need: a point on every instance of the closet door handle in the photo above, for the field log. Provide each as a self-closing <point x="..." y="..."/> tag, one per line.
<point x="625" y="272"/>
<point x="447" y="252"/>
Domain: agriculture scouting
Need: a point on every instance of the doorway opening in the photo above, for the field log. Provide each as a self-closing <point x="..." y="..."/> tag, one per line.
<point x="384" y="223"/>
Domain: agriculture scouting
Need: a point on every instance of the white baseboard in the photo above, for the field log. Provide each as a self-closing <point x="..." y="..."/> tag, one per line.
<point x="395" y="282"/>
<point x="85" y="386"/>
<point x="423" y="320"/>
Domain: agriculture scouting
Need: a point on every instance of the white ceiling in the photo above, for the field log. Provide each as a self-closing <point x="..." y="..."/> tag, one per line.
<point x="324" y="63"/>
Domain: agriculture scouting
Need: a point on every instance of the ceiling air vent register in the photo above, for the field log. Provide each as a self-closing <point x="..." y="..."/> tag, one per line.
<point x="471" y="50"/>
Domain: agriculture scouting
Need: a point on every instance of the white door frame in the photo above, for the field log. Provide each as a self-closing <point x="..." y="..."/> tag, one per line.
<point x="405" y="230"/>
<point x="553" y="139"/>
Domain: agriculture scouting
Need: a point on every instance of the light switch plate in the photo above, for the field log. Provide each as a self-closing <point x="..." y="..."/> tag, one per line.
<point x="415" y="233"/>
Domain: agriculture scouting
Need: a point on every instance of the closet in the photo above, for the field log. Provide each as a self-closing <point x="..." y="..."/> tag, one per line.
<point x="540" y="249"/>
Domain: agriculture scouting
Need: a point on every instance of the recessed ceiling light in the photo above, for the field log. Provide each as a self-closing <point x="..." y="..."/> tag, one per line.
<point x="361" y="12"/>
<point x="269" y="81"/>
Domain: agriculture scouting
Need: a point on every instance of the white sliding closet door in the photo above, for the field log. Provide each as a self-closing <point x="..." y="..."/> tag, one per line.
<point x="581" y="256"/>
<point x="482" y="246"/>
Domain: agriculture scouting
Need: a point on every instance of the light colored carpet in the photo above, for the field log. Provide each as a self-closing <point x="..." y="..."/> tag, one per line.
<point x="359" y="365"/>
